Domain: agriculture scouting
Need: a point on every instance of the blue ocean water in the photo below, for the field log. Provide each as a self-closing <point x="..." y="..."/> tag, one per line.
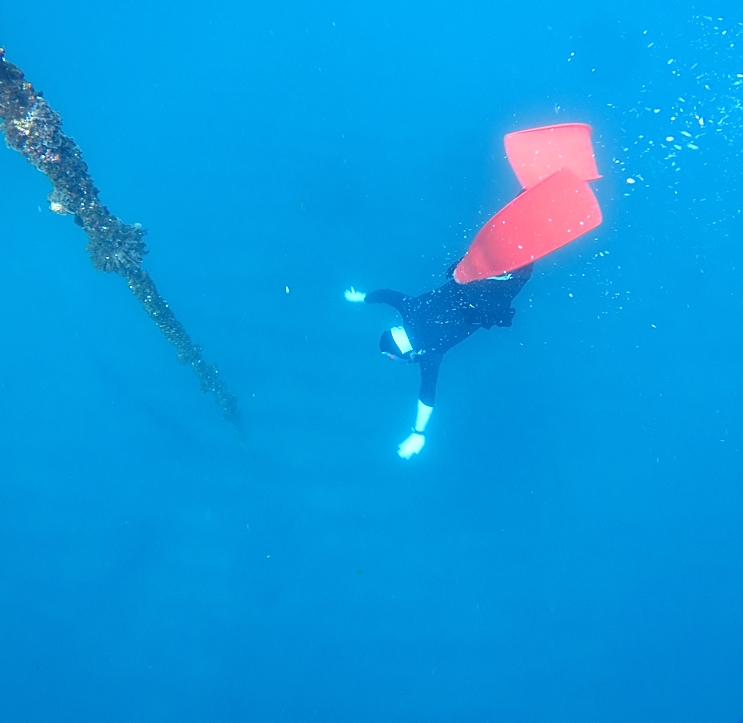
<point x="567" y="547"/>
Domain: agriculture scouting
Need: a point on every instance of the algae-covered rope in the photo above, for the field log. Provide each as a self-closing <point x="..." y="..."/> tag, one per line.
<point x="33" y="129"/>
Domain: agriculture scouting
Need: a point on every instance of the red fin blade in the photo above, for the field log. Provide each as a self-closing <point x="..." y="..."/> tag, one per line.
<point x="540" y="220"/>
<point x="537" y="153"/>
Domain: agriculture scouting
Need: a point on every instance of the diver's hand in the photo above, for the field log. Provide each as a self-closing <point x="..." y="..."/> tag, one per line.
<point x="353" y="295"/>
<point x="412" y="445"/>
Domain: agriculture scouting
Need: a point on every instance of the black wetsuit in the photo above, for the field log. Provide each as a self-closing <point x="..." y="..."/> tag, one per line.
<point x="439" y="319"/>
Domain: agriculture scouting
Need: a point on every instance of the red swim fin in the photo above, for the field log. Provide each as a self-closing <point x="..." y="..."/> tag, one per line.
<point x="543" y="218"/>
<point x="537" y="153"/>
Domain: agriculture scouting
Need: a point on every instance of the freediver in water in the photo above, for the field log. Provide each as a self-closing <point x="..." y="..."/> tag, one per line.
<point x="556" y="206"/>
<point x="433" y="323"/>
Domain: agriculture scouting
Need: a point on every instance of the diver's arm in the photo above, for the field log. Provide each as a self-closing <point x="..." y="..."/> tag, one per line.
<point x="415" y="442"/>
<point x="395" y="299"/>
<point x="429" y="364"/>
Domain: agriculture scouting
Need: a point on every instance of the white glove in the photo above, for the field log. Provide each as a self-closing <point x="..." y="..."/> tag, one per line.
<point x="412" y="445"/>
<point x="353" y="295"/>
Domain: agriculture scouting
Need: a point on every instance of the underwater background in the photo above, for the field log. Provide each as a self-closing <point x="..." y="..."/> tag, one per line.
<point x="568" y="545"/>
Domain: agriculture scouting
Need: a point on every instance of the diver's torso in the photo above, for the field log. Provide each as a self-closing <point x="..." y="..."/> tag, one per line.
<point x="434" y="320"/>
<point x="440" y="319"/>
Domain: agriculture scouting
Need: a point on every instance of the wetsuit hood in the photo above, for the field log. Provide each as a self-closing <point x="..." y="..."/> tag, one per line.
<point x="396" y="344"/>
